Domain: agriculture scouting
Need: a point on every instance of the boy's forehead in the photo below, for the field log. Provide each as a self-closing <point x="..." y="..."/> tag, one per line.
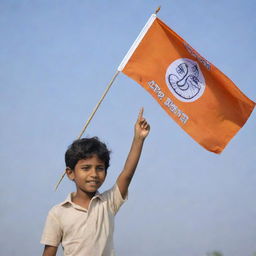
<point x="94" y="159"/>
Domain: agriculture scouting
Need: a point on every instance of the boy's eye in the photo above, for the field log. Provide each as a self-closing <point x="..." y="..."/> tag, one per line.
<point x="101" y="168"/>
<point x="86" y="168"/>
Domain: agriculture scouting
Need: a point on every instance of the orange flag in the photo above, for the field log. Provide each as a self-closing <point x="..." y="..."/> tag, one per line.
<point x="199" y="97"/>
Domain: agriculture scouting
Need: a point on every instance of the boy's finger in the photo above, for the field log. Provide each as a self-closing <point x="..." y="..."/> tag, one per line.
<point x="141" y="113"/>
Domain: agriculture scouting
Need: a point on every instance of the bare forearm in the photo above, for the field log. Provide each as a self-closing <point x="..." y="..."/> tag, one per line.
<point x="133" y="157"/>
<point x="141" y="131"/>
<point x="126" y="175"/>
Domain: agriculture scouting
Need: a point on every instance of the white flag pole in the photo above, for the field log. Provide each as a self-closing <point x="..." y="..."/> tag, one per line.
<point x="119" y="69"/>
<point x="136" y="42"/>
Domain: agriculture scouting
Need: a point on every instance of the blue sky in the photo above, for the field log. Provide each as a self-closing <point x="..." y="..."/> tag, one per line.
<point x="56" y="59"/>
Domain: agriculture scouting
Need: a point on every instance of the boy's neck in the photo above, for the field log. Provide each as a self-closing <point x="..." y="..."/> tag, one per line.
<point x="82" y="198"/>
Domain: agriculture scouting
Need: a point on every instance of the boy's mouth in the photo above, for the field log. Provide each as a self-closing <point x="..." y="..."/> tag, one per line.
<point x="93" y="182"/>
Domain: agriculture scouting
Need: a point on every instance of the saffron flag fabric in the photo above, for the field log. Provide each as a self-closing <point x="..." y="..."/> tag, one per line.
<point x="199" y="97"/>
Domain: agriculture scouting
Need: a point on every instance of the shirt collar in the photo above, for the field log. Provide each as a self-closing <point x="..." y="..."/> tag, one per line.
<point x="69" y="198"/>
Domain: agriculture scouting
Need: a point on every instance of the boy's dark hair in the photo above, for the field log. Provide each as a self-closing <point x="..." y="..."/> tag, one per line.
<point x="86" y="148"/>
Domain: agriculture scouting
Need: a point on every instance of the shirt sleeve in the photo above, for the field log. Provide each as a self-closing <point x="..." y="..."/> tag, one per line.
<point x="114" y="198"/>
<point x="52" y="233"/>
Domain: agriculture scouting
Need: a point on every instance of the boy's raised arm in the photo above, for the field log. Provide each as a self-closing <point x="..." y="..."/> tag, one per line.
<point x="141" y="131"/>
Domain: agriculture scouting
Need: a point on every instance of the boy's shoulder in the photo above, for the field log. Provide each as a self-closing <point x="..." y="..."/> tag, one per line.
<point x="57" y="208"/>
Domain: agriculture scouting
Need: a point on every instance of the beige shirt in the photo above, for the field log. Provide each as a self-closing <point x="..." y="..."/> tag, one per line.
<point x="84" y="232"/>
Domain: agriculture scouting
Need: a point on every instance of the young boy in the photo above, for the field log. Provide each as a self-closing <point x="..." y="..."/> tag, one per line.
<point x="84" y="222"/>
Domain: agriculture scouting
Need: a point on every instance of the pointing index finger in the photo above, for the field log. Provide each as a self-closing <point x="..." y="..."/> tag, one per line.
<point x="141" y="113"/>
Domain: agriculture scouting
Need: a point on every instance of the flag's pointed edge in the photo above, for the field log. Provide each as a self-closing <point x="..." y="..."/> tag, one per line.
<point x="136" y="42"/>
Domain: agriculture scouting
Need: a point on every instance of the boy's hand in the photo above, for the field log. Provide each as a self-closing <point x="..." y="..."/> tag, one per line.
<point x="142" y="128"/>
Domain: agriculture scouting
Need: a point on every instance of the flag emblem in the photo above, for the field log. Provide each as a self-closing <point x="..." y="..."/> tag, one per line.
<point x="185" y="80"/>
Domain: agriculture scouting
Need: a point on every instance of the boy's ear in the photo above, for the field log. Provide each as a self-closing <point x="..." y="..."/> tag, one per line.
<point x="70" y="173"/>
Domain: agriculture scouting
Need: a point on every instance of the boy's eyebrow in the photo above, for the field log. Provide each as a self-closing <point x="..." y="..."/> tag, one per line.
<point x="91" y="165"/>
<point x="82" y="165"/>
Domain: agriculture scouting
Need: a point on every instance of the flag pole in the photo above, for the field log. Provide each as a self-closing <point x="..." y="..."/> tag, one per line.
<point x="90" y="118"/>
<point x="119" y="69"/>
<point x="98" y="104"/>
<point x="158" y="9"/>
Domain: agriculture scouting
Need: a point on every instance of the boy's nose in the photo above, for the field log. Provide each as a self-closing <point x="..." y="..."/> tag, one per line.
<point x="94" y="172"/>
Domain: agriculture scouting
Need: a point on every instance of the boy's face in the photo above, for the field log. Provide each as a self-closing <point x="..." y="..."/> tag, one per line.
<point x="88" y="174"/>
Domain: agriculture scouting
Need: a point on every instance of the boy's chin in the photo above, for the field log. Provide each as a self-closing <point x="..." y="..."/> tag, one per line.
<point x="90" y="190"/>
